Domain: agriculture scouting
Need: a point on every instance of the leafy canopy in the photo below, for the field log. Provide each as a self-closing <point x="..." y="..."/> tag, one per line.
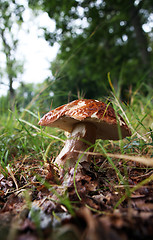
<point x="98" y="37"/>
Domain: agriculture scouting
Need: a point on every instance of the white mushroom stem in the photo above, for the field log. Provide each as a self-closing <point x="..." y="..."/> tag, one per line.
<point x="81" y="138"/>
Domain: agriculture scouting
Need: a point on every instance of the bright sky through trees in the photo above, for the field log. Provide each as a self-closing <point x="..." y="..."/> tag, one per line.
<point x="33" y="50"/>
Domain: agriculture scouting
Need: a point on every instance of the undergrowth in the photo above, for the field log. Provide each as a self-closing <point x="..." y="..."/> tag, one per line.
<point x="26" y="148"/>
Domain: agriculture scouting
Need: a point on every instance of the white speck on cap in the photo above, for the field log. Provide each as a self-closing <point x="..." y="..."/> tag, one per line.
<point x="94" y="115"/>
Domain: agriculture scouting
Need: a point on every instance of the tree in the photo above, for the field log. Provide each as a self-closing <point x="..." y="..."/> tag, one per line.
<point x="98" y="37"/>
<point x="11" y="18"/>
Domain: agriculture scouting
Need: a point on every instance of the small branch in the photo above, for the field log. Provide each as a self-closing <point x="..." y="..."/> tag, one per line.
<point x="12" y="176"/>
<point x="143" y="160"/>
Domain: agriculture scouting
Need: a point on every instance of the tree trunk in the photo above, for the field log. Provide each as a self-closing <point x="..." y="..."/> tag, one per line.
<point x="12" y="93"/>
<point x="140" y="35"/>
<point x="9" y="66"/>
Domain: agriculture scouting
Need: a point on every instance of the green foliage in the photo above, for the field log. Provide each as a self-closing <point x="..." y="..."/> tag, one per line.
<point x="98" y="37"/>
<point x="19" y="137"/>
<point x="25" y="94"/>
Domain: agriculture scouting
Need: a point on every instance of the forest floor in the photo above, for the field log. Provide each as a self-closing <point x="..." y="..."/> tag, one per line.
<point x="97" y="205"/>
<point x="110" y="199"/>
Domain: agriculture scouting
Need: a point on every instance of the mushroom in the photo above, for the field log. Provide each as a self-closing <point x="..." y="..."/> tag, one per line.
<point x="86" y="120"/>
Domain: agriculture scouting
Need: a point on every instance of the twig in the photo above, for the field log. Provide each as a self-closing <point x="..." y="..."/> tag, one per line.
<point x="143" y="160"/>
<point x="12" y="176"/>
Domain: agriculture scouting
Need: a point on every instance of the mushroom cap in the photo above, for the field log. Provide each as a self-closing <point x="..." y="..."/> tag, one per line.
<point x="87" y="110"/>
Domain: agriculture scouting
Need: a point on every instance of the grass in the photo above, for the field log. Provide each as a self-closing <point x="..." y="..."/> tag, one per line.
<point x="26" y="148"/>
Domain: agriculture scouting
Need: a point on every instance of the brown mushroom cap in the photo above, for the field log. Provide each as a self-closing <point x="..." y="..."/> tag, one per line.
<point x="87" y="110"/>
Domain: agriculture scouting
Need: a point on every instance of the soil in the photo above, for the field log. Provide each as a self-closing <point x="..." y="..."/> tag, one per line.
<point x="99" y="204"/>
